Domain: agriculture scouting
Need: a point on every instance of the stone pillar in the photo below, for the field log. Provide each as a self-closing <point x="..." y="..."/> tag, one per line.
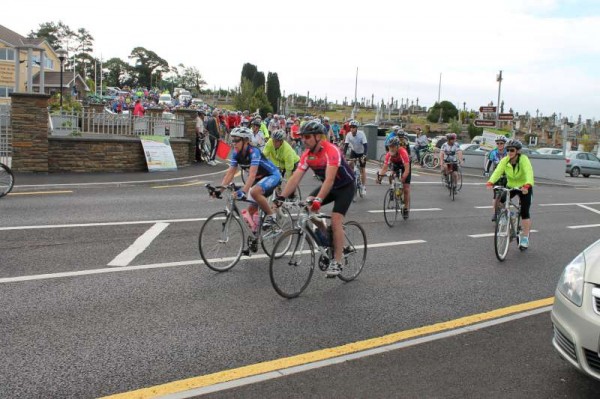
<point x="29" y="122"/>
<point x="189" y="130"/>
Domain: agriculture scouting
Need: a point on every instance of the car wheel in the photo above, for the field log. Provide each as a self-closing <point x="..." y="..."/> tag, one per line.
<point x="575" y="172"/>
<point x="586" y="175"/>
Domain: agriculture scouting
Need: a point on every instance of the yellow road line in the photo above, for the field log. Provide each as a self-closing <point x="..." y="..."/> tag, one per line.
<point x="323" y="354"/>
<point x="195" y="183"/>
<point x="41" y="192"/>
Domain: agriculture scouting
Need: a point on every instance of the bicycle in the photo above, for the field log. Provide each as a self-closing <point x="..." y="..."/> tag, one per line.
<point x="293" y="258"/>
<point x="7" y="180"/>
<point x="393" y="200"/>
<point x="453" y="186"/>
<point x="204" y="147"/>
<point x="429" y="159"/>
<point x="224" y="237"/>
<point x="358" y="183"/>
<point x="508" y="223"/>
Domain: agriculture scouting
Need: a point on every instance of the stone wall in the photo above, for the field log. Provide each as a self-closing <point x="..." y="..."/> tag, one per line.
<point x="29" y="122"/>
<point x="105" y="154"/>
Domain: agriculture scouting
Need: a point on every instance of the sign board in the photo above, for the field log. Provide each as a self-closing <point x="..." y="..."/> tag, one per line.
<point x="484" y="123"/>
<point x="488" y="140"/>
<point x="487" y="109"/>
<point x="506" y="117"/>
<point x="159" y="154"/>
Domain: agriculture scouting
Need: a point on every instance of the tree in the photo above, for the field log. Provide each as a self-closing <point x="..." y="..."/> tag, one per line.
<point x="454" y="126"/>
<point x="252" y="99"/>
<point x="273" y="91"/>
<point x="119" y="72"/>
<point x="84" y="46"/>
<point x="192" y="78"/>
<point x="259" y="81"/>
<point x="446" y="108"/>
<point x="261" y="102"/>
<point x="146" y="62"/>
<point x="56" y="34"/>
<point x="473" y="131"/>
<point x="248" y="72"/>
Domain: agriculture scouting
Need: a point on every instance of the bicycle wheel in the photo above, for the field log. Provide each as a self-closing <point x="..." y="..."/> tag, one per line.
<point x="390" y="208"/>
<point x="381" y="160"/>
<point x="291" y="272"/>
<point x="502" y="235"/>
<point x="427" y="160"/>
<point x="452" y="187"/>
<point x="355" y="251"/>
<point x="7" y="180"/>
<point x="269" y="238"/>
<point x="459" y="180"/>
<point x="221" y="241"/>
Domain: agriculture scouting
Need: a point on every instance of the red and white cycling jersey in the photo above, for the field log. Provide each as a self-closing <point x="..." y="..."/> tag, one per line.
<point x="327" y="155"/>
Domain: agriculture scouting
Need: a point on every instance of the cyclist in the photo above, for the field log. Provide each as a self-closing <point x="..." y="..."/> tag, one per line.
<point x="357" y="141"/>
<point x="393" y="133"/>
<point x="258" y="137"/>
<point x="421" y="145"/>
<point x="492" y="160"/>
<point x="281" y="153"/>
<point x="450" y="156"/>
<point x="397" y="158"/>
<point x="263" y="176"/>
<point x="330" y="166"/>
<point x="519" y="173"/>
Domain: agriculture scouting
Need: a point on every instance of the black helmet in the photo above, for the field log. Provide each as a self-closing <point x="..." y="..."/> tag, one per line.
<point x="256" y="122"/>
<point x="312" y="127"/>
<point x="515" y="144"/>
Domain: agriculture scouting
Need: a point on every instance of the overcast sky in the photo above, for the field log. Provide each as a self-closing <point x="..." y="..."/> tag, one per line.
<point x="548" y="50"/>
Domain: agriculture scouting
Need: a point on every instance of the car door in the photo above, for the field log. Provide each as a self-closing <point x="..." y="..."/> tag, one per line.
<point x="581" y="162"/>
<point x="594" y="164"/>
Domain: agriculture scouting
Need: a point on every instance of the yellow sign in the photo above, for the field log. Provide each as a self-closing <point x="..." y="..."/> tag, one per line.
<point x="7" y="75"/>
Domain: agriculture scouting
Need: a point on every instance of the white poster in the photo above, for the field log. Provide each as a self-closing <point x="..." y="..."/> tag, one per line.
<point x="159" y="154"/>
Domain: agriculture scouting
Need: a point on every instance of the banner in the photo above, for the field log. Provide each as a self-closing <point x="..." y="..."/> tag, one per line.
<point x="159" y="154"/>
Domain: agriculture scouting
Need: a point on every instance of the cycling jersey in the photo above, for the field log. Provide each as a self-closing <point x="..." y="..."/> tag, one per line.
<point x="518" y="175"/>
<point x="357" y="143"/>
<point x="450" y="152"/>
<point x="253" y="157"/>
<point x="400" y="158"/>
<point x="495" y="156"/>
<point x="327" y="155"/>
<point x="283" y="157"/>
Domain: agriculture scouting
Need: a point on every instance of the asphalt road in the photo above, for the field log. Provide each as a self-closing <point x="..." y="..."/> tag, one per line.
<point x="73" y="326"/>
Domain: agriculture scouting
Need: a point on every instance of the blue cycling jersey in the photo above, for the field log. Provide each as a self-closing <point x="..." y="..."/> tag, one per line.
<point x="495" y="156"/>
<point x="254" y="157"/>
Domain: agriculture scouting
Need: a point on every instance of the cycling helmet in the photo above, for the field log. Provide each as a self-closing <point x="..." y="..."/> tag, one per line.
<point x="515" y="144"/>
<point x="278" y="135"/>
<point x="312" y="127"/>
<point x="451" y="136"/>
<point x="256" y="122"/>
<point x="326" y="119"/>
<point x="395" y="128"/>
<point x="401" y="134"/>
<point x="501" y="138"/>
<point x="353" y="123"/>
<point x="242" y="132"/>
<point x="394" y="141"/>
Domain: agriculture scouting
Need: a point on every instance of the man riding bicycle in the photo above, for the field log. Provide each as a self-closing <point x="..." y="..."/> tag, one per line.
<point x="398" y="160"/>
<point x="519" y="173"/>
<point x="331" y="168"/>
<point x="357" y="140"/>
<point x="281" y="153"/>
<point x="492" y="161"/>
<point x="263" y="176"/>
<point x="421" y="144"/>
<point x="450" y="157"/>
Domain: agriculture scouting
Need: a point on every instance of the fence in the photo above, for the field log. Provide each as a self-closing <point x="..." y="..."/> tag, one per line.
<point x="5" y="136"/>
<point x="92" y="122"/>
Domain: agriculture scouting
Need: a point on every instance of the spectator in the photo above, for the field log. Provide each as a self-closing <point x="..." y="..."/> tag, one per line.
<point x="200" y="131"/>
<point x="138" y="110"/>
<point x="214" y="133"/>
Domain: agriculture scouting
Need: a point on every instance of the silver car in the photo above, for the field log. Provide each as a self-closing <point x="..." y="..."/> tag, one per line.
<point x="585" y="163"/>
<point x="576" y="312"/>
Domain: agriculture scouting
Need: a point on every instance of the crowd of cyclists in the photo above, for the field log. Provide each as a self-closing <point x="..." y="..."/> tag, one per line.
<point x="278" y="146"/>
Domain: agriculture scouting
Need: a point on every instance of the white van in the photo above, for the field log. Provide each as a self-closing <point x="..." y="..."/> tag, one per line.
<point x="165" y="99"/>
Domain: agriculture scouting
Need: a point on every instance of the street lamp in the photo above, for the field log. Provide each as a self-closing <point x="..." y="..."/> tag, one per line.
<point x="62" y="55"/>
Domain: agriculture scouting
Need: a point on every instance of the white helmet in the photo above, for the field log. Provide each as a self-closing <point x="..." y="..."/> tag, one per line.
<point x="242" y="132"/>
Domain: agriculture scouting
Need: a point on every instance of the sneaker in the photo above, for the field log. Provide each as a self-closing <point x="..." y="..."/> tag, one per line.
<point x="495" y="217"/>
<point x="524" y="242"/>
<point x="269" y="222"/>
<point x="405" y="213"/>
<point x="363" y="191"/>
<point x="212" y="163"/>
<point x="333" y="270"/>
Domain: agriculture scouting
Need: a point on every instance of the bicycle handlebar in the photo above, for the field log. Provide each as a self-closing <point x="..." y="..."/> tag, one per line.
<point x="502" y="188"/>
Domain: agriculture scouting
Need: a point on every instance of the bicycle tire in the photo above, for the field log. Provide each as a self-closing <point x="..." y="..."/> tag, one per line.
<point x="459" y="180"/>
<point x="213" y="229"/>
<point x="291" y="272"/>
<point x="381" y="160"/>
<point x="270" y="238"/>
<point x="7" y="180"/>
<point x="355" y="251"/>
<point x="390" y="208"/>
<point x="502" y="235"/>
<point x="427" y="161"/>
<point x="452" y="188"/>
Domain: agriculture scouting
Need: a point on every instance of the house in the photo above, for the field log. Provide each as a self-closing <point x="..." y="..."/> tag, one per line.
<point x="17" y="53"/>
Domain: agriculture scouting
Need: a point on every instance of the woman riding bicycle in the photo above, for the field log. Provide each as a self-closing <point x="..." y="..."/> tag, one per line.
<point x="519" y="173"/>
<point x="397" y="158"/>
<point x="450" y="157"/>
<point x="492" y="161"/>
<point x="326" y="160"/>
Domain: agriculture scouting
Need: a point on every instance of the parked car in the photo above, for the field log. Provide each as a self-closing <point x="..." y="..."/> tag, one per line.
<point x="550" y="151"/>
<point x="585" y="163"/>
<point x="471" y="147"/>
<point x="165" y="99"/>
<point x="528" y="151"/>
<point x="576" y="312"/>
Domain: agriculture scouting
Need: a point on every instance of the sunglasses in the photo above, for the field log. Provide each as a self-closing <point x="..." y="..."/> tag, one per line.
<point x="307" y="136"/>
<point x="512" y="150"/>
<point x="235" y="141"/>
<point x="499" y="143"/>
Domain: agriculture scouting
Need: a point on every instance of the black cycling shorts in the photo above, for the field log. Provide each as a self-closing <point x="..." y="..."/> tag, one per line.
<point x="341" y="197"/>
<point x="362" y="161"/>
<point x="398" y="169"/>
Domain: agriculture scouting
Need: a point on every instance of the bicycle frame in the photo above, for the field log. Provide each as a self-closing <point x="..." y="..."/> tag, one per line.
<point x="302" y="223"/>
<point x="508" y="203"/>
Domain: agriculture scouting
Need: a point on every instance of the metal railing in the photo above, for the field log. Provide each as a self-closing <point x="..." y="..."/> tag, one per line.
<point x="5" y="137"/>
<point x="109" y="123"/>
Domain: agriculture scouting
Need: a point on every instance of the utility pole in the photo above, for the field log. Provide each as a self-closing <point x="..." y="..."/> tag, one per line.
<point x="439" y="88"/>
<point x="499" y="80"/>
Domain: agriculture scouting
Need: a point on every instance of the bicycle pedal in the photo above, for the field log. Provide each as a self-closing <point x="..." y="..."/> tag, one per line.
<point x="246" y="252"/>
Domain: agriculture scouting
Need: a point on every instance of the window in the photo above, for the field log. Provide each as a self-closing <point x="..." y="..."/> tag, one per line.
<point x="5" y="91"/>
<point x="592" y="157"/>
<point x="7" y="54"/>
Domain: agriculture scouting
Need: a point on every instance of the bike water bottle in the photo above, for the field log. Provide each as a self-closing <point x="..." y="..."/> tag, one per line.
<point x="513" y="221"/>
<point x="398" y="191"/>
<point x="256" y="221"/>
<point x="248" y="219"/>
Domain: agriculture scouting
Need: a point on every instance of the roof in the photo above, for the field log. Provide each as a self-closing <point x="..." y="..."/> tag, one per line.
<point x="14" y="39"/>
<point x="52" y="79"/>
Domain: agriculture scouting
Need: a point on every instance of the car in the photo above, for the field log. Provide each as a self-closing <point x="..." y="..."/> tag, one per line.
<point x="165" y="99"/>
<point x="576" y="312"/>
<point x="550" y="151"/>
<point x="528" y="151"/>
<point x="585" y="163"/>
<point x="471" y="147"/>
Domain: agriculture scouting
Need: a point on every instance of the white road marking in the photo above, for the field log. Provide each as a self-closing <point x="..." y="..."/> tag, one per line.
<point x="412" y="210"/>
<point x="484" y="207"/>
<point x="139" y="246"/>
<point x="572" y="203"/>
<point x="162" y="265"/>
<point x="62" y="226"/>
<point x="583" y="226"/>
<point x="589" y="208"/>
<point x="491" y="234"/>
